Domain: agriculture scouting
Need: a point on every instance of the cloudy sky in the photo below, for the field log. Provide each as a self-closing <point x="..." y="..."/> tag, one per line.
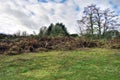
<point x="30" y="15"/>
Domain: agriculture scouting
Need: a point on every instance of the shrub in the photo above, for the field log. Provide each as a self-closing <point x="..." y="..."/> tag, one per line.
<point x="31" y="49"/>
<point x="115" y="46"/>
<point x="3" y="47"/>
<point x="14" y="50"/>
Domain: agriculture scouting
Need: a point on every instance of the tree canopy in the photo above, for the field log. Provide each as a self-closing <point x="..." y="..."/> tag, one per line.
<point x="57" y="30"/>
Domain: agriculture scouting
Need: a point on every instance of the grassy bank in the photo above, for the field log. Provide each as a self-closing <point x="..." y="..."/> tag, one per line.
<point x="87" y="64"/>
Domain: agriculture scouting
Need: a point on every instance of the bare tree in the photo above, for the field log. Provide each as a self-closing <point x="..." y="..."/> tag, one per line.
<point x="97" y="21"/>
<point x="89" y="12"/>
<point x="24" y="34"/>
<point x="81" y="26"/>
<point x="42" y="31"/>
<point x="18" y="33"/>
<point x="110" y="20"/>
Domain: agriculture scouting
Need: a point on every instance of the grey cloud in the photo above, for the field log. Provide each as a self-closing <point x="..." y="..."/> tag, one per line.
<point x="23" y="18"/>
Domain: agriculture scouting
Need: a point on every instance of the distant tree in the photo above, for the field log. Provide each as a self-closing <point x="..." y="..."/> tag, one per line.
<point x="42" y="31"/>
<point x="89" y="12"/>
<point x="97" y="22"/>
<point x="57" y="30"/>
<point x="24" y="34"/>
<point x="50" y="29"/>
<point x="110" y="20"/>
<point x="74" y="35"/>
<point x="18" y="33"/>
<point x="60" y="27"/>
<point x="81" y="26"/>
<point x="111" y="34"/>
<point x="34" y="33"/>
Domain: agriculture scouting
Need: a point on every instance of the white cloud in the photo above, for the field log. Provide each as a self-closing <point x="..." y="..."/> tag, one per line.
<point x="30" y="15"/>
<point x="10" y="24"/>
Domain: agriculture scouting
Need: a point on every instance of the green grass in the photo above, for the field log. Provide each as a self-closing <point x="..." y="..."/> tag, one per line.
<point x="89" y="64"/>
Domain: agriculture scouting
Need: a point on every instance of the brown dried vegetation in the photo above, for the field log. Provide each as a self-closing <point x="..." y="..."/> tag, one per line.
<point x="26" y="45"/>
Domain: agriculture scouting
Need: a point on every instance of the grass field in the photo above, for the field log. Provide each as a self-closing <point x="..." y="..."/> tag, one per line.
<point x="88" y="64"/>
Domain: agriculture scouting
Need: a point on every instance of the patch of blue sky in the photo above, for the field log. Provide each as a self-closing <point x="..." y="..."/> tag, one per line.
<point x="62" y="1"/>
<point x="115" y="7"/>
<point x="110" y="2"/>
<point x="117" y="12"/>
<point x="77" y="8"/>
<point x="44" y="1"/>
<point x="56" y="1"/>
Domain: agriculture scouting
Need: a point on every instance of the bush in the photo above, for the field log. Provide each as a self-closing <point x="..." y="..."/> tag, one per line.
<point x="115" y="46"/>
<point x="3" y="47"/>
<point x="14" y="50"/>
<point x="31" y="49"/>
<point x="26" y="45"/>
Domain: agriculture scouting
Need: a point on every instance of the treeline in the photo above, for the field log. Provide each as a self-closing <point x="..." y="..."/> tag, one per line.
<point x="97" y="28"/>
<point x="55" y="37"/>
